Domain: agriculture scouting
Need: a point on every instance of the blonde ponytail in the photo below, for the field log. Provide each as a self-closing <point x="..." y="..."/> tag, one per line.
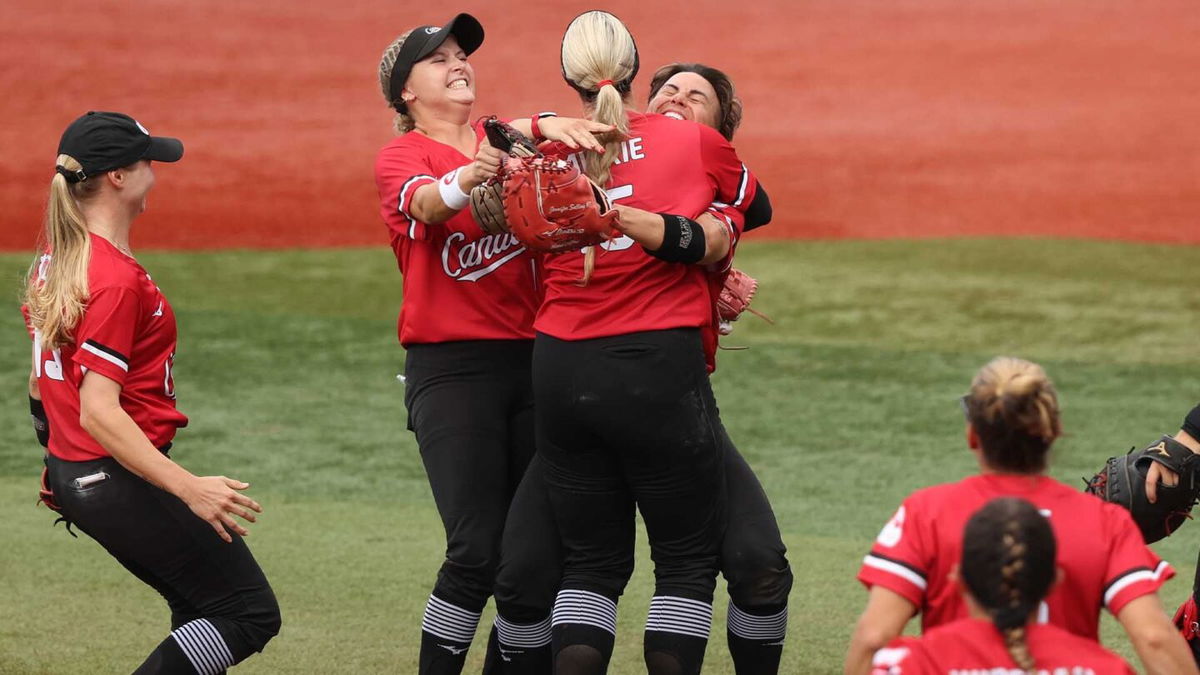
<point x="599" y="59"/>
<point x="56" y="290"/>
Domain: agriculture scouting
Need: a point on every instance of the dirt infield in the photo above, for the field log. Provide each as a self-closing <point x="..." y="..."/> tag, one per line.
<point x="864" y="119"/>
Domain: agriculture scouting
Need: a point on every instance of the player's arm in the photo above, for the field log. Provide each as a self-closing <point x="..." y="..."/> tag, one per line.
<point x="440" y="200"/>
<point x="676" y="238"/>
<point x="213" y="498"/>
<point x="882" y="621"/>
<point x="573" y="132"/>
<point x="1158" y="644"/>
<point x="759" y="212"/>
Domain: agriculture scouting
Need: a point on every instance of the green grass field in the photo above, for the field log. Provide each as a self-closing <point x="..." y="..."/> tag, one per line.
<point x="287" y="365"/>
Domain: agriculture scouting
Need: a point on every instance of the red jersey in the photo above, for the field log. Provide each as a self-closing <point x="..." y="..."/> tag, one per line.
<point x="459" y="283"/>
<point x="665" y="166"/>
<point x="127" y="334"/>
<point x="975" y="647"/>
<point x="1101" y="552"/>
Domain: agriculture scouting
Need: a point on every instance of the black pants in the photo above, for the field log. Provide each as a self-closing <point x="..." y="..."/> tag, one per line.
<point x="158" y="538"/>
<point x="753" y="556"/>
<point x="470" y="405"/>
<point x="631" y="420"/>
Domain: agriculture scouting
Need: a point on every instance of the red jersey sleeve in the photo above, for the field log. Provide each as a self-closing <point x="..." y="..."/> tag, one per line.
<point x="899" y="560"/>
<point x="734" y="221"/>
<point x="734" y="184"/>
<point x="1133" y="569"/>
<point x="105" y="333"/>
<point x="399" y="172"/>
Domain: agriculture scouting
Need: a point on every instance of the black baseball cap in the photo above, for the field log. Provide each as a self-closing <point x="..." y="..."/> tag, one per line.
<point x="103" y="141"/>
<point x="421" y="42"/>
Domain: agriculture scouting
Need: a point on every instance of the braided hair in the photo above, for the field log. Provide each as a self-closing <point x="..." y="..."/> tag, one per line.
<point x="1013" y="407"/>
<point x="1007" y="565"/>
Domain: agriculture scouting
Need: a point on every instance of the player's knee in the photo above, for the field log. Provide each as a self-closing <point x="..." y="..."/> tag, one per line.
<point x="468" y="576"/>
<point x="758" y="577"/>
<point x="525" y="589"/>
<point x="261" y="621"/>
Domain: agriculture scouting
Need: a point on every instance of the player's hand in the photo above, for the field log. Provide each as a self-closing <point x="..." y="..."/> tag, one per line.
<point x="574" y="132"/>
<point x="1159" y="473"/>
<point x="487" y="162"/>
<point x="216" y="500"/>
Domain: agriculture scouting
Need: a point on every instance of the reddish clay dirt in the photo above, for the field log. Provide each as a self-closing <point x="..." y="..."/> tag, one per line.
<point x="911" y="118"/>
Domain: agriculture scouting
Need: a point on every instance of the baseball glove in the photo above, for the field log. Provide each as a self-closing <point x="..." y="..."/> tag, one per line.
<point x="1123" y="481"/>
<point x="551" y="207"/>
<point x="1186" y="620"/>
<point x="487" y="198"/>
<point x="45" y="495"/>
<point x="735" y="298"/>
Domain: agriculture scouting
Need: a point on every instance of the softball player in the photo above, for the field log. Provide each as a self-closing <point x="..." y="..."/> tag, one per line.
<point x="1007" y="569"/>
<point x="753" y="556"/>
<point x="103" y="347"/>
<point x="1012" y="420"/>
<point x="466" y="320"/>
<point x="625" y="413"/>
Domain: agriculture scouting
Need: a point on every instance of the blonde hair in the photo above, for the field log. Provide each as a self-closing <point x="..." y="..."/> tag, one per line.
<point x="403" y="122"/>
<point x="597" y="48"/>
<point x="56" y="289"/>
<point x="1013" y="407"/>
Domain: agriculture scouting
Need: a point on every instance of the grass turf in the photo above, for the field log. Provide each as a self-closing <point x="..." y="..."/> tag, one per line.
<point x="287" y="365"/>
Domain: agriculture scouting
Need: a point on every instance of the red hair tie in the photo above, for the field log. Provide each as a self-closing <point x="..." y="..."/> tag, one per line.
<point x="601" y="83"/>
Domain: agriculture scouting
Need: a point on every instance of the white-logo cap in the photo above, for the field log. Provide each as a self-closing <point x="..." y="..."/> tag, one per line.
<point x="139" y="125"/>
<point x="432" y="29"/>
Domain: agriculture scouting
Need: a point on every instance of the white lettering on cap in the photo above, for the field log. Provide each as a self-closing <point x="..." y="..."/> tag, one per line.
<point x="139" y="125"/>
<point x="432" y="29"/>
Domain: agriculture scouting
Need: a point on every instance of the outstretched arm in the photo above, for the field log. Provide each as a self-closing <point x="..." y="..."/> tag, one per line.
<point x="701" y="241"/>
<point x="881" y="622"/>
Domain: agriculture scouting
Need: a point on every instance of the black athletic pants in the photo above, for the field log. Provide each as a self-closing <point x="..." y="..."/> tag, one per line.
<point x="753" y="561"/>
<point x="222" y="608"/>
<point x="628" y="420"/>
<point x="470" y="405"/>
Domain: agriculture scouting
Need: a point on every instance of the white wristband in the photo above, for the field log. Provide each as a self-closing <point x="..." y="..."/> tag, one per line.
<point x="451" y="193"/>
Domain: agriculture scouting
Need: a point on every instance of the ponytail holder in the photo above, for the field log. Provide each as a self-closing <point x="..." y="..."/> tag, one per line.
<point x="71" y="176"/>
<point x="601" y="83"/>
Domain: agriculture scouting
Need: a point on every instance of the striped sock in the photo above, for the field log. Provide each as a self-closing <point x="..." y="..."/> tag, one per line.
<point x="449" y="622"/>
<point x="677" y="634"/>
<point x="203" y="646"/>
<point x="526" y="636"/>
<point x="756" y="639"/>
<point x="671" y="614"/>
<point x="584" y="628"/>
<point x="586" y="608"/>
<point x="523" y="648"/>
<point x="768" y="628"/>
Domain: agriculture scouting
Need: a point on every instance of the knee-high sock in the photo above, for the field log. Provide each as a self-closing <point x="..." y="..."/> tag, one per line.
<point x="446" y="634"/>
<point x="756" y="636"/>
<point x="584" y="627"/>
<point x="676" y="635"/>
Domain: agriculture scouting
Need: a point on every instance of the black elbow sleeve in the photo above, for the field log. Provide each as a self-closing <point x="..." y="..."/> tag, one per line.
<point x="1191" y="423"/>
<point x="759" y="212"/>
<point x="683" y="240"/>
<point x="41" y="425"/>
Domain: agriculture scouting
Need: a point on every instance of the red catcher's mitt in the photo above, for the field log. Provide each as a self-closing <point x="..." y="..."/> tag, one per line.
<point x="735" y="298"/>
<point x="552" y="207"/>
